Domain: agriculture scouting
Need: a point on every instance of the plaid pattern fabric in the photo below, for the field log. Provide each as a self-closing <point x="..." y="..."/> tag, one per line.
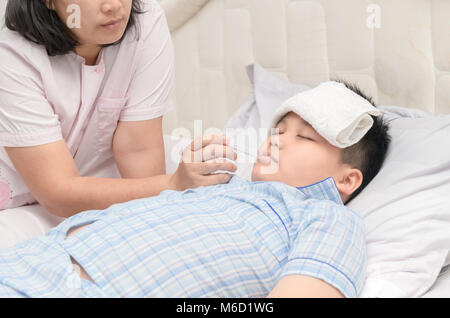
<point x="230" y="240"/>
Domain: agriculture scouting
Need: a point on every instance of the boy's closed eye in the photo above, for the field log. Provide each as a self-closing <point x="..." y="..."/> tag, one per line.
<point x="304" y="137"/>
<point x="299" y="136"/>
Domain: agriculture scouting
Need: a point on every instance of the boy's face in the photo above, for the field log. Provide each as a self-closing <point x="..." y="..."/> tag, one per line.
<point x="301" y="157"/>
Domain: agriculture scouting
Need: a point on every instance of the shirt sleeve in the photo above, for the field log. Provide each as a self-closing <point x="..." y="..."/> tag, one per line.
<point x="150" y="91"/>
<point x="26" y="116"/>
<point x="330" y="246"/>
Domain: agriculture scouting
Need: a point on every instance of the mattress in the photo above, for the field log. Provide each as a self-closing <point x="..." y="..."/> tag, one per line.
<point x="404" y="60"/>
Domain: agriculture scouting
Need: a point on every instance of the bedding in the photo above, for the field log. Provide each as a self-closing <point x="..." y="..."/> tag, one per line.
<point x="268" y="92"/>
<point x="406" y="206"/>
<point x="407" y="209"/>
<point x="25" y="222"/>
<point x="441" y="288"/>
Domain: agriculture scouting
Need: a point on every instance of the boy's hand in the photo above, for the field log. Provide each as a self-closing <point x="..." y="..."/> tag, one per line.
<point x="200" y="159"/>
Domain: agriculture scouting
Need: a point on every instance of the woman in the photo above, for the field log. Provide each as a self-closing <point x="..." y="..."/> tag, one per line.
<point x="84" y="85"/>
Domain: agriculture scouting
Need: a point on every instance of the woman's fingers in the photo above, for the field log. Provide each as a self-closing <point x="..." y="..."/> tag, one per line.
<point x="218" y="151"/>
<point x="216" y="164"/>
<point x="202" y="158"/>
<point x="206" y="140"/>
<point x="206" y="148"/>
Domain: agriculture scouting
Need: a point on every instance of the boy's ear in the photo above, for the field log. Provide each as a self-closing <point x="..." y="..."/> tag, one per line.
<point x="349" y="182"/>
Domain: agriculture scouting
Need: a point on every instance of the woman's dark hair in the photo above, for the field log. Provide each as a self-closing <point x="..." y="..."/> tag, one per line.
<point x="37" y="23"/>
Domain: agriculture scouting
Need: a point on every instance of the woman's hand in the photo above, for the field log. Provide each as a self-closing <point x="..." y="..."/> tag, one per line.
<point x="200" y="159"/>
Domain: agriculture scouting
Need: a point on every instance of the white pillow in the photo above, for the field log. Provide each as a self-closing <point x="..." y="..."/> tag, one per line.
<point x="406" y="206"/>
<point x="268" y="92"/>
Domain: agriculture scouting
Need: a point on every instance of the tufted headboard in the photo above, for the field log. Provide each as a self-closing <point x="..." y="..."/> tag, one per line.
<point x="397" y="51"/>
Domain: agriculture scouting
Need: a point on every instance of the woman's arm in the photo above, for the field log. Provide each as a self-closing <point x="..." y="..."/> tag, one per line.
<point x="50" y="173"/>
<point x="138" y="148"/>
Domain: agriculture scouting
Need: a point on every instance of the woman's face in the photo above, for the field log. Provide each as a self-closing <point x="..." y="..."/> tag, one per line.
<point x="90" y="20"/>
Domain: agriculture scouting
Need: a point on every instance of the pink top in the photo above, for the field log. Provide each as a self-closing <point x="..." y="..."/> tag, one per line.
<point x="44" y="99"/>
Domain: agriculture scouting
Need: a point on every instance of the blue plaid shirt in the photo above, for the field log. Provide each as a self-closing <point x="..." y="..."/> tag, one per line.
<point x="230" y="240"/>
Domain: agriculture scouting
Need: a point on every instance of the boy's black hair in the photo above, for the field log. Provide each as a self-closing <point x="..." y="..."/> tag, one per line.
<point x="37" y="23"/>
<point x="369" y="153"/>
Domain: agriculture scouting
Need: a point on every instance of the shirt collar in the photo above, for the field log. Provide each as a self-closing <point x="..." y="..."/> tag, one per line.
<point x="323" y="190"/>
<point x="81" y="60"/>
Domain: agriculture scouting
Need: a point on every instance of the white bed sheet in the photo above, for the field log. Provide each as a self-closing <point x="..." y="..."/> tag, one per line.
<point x="25" y="222"/>
<point x="441" y="288"/>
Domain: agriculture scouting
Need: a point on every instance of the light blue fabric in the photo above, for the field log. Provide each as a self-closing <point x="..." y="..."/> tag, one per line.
<point x="229" y="240"/>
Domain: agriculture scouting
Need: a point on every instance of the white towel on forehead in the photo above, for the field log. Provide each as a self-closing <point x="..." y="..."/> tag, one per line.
<point x="337" y="113"/>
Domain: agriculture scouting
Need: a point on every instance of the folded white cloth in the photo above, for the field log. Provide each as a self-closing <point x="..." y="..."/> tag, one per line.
<point x="337" y="113"/>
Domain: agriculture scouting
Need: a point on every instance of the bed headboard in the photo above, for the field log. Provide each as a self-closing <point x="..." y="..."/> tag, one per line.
<point x="397" y="51"/>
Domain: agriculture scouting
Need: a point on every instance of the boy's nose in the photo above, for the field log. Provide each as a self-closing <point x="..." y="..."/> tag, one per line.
<point x="274" y="145"/>
<point x="275" y="141"/>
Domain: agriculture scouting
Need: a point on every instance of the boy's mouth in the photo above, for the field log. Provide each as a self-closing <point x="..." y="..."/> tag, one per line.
<point x="268" y="155"/>
<point x="266" y="159"/>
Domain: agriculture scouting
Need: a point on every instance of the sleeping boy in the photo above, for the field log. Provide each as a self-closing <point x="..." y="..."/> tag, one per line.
<point x="286" y="233"/>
